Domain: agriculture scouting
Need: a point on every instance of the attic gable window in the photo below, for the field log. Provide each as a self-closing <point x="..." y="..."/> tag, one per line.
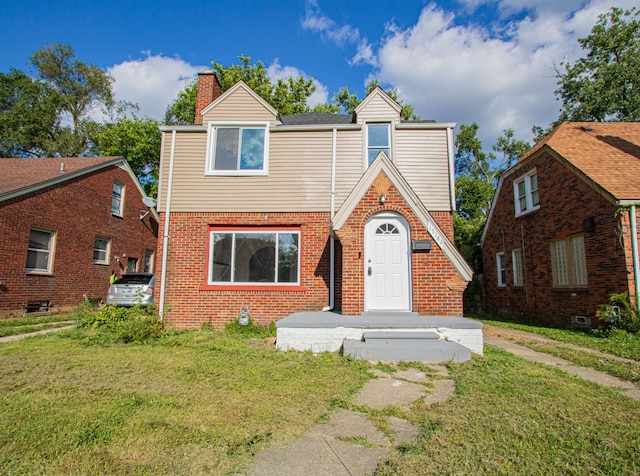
<point x="237" y="149"/>
<point x="378" y="140"/>
<point x="525" y="191"/>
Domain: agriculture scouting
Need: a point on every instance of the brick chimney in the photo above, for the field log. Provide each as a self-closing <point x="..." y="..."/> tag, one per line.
<point x="209" y="90"/>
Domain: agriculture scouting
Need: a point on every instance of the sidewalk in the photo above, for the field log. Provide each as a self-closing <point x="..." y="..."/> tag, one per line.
<point x="349" y="444"/>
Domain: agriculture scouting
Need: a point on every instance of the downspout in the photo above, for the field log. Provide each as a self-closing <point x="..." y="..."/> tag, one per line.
<point x="452" y="170"/>
<point x="524" y="265"/>
<point x="332" y="266"/>
<point x="634" y="248"/>
<point x="167" y="214"/>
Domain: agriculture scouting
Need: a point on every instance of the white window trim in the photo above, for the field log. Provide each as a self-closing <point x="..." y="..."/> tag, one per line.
<point x="211" y="134"/>
<point x="107" y="250"/>
<point x="122" y="192"/>
<point x="500" y="257"/>
<point x="366" y="142"/>
<point x="151" y="254"/>
<point x="526" y="178"/>
<point x="260" y="231"/>
<point x="52" y="247"/>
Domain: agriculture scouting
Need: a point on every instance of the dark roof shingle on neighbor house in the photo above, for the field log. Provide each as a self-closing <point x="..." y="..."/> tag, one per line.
<point x="316" y="118"/>
<point x="25" y="174"/>
<point x="606" y="152"/>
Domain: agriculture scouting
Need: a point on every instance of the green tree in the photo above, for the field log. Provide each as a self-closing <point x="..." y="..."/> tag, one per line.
<point x="287" y="96"/>
<point x="183" y="109"/>
<point x="477" y="175"/>
<point x="29" y="116"/>
<point x="138" y="140"/>
<point x="605" y="84"/>
<point x="79" y="86"/>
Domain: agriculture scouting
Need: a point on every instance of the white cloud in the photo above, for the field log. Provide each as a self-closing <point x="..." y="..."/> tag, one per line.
<point x="315" y="21"/>
<point x="152" y="82"/>
<point x="275" y="72"/>
<point x="467" y="73"/>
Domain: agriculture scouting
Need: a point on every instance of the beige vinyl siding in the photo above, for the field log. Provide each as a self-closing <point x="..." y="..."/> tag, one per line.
<point x="377" y="109"/>
<point x="299" y="177"/>
<point x="421" y="157"/>
<point x="239" y="107"/>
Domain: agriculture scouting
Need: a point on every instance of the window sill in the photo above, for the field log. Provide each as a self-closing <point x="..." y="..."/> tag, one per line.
<point x="117" y="215"/>
<point x="570" y="288"/>
<point x="527" y="212"/>
<point x="502" y="286"/>
<point x="237" y="173"/>
<point x="241" y="287"/>
<point x="101" y="263"/>
<point x="39" y="273"/>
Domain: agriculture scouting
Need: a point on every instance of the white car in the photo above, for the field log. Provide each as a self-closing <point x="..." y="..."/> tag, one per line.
<point x="132" y="289"/>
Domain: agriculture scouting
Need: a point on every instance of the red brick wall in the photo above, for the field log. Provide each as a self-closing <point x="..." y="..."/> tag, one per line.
<point x="437" y="286"/>
<point x="208" y="90"/>
<point x="566" y="201"/>
<point x="76" y="211"/>
<point x="190" y="303"/>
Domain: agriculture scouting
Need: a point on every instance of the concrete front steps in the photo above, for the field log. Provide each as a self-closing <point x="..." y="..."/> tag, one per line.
<point x="405" y="346"/>
<point x="442" y="338"/>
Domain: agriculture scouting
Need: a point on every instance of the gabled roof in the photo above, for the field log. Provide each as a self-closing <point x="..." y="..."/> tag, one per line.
<point x="232" y="90"/>
<point x="378" y="92"/>
<point x="383" y="164"/>
<point x="608" y="153"/>
<point x="22" y="176"/>
<point x="315" y="118"/>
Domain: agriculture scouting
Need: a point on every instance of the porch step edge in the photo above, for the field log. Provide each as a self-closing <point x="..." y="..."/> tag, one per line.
<point x="400" y="335"/>
<point x="429" y="350"/>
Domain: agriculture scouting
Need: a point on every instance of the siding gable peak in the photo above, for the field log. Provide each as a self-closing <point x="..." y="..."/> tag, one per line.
<point x="377" y="96"/>
<point x="240" y="85"/>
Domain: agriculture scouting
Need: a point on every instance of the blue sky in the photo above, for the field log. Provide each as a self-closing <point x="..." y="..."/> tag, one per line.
<point x="488" y="61"/>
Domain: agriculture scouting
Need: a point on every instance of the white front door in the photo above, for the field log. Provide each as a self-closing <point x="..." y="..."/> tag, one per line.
<point x="387" y="264"/>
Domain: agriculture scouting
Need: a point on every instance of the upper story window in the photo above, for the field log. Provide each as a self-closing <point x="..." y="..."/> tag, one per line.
<point x="40" y="251"/>
<point x="378" y="140"/>
<point x="117" y="197"/>
<point x="525" y="190"/>
<point x="237" y="149"/>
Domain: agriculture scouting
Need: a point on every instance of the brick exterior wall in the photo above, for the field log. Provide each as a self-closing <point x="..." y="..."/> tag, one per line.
<point x="566" y="200"/>
<point x="437" y="286"/>
<point x="77" y="211"/>
<point x="189" y="302"/>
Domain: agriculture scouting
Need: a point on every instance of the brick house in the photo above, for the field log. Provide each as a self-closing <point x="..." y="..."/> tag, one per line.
<point x="559" y="237"/>
<point x="306" y="212"/>
<point x="66" y="225"/>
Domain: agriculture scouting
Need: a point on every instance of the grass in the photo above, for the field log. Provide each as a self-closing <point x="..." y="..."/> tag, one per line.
<point x="205" y="402"/>
<point x="24" y="325"/>
<point x="510" y="416"/>
<point x="617" y="342"/>
<point x="192" y="403"/>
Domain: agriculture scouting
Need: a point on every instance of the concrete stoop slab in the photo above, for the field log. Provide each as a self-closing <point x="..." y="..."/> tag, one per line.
<point x="408" y="350"/>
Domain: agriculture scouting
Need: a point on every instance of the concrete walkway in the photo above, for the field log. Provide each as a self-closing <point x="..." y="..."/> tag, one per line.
<point x="349" y="443"/>
<point x="34" y="333"/>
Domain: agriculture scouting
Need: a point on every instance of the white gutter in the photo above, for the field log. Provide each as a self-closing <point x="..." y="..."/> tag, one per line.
<point x="332" y="266"/>
<point x="167" y="214"/>
<point x="634" y="247"/>
<point x="452" y="170"/>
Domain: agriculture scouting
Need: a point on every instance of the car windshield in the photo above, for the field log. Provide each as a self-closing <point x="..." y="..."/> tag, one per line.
<point x="134" y="279"/>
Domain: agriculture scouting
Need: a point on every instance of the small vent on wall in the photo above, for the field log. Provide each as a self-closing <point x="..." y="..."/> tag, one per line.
<point x="580" y="321"/>
<point x="589" y="224"/>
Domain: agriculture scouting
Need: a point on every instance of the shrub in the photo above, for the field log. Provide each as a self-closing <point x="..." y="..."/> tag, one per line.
<point x="121" y="324"/>
<point x="619" y="313"/>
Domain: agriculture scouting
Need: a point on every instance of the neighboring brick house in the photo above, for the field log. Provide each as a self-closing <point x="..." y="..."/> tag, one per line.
<point x="558" y="240"/>
<point x="248" y="200"/>
<point x="66" y="225"/>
